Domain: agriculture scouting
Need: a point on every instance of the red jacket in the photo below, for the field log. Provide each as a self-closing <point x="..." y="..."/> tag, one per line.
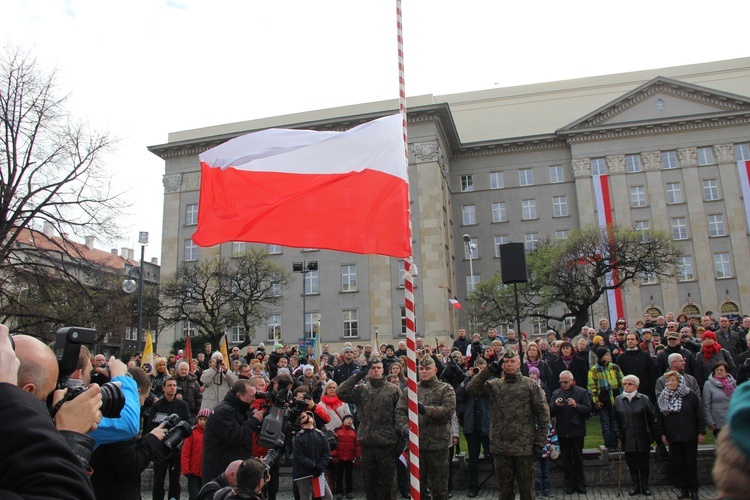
<point x="192" y="453"/>
<point x="348" y="448"/>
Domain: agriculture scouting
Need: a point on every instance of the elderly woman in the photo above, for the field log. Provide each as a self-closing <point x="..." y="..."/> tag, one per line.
<point x="217" y="381"/>
<point x="717" y="391"/>
<point x="335" y="408"/>
<point x="681" y="425"/>
<point x="636" y="422"/>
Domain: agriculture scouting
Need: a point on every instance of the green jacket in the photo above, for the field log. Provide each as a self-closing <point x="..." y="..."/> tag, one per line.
<point x="439" y="400"/>
<point x="376" y="404"/>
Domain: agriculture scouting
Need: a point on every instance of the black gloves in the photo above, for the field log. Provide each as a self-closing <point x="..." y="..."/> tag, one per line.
<point x="537" y="451"/>
<point x="495" y="368"/>
<point x="318" y="470"/>
<point x="421" y="409"/>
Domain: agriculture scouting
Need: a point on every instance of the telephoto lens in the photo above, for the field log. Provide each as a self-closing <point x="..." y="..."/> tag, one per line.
<point x="113" y="400"/>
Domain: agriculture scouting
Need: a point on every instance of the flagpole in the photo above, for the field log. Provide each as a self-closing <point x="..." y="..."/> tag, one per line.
<point x="409" y="274"/>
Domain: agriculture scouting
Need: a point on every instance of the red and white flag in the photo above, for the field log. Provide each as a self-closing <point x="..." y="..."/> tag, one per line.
<point x="344" y="191"/>
<point x="604" y="213"/>
<point x="319" y="486"/>
<point x="456" y="304"/>
<point x="743" y="168"/>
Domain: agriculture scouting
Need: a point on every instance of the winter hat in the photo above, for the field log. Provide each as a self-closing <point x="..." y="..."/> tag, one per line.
<point x="533" y="370"/>
<point x="276" y="347"/>
<point x="601" y="352"/>
<point x="597" y="339"/>
<point x="708" y="334"/>
<point x="305" y="367"/>
<point x="205" y="412"/>
<point x="738" y="418"/>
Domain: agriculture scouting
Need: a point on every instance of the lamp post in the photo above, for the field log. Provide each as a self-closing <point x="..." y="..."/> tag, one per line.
<point x="470" y="247"/>
<point x="304" y="268"/>
<point x="129" y="286"/>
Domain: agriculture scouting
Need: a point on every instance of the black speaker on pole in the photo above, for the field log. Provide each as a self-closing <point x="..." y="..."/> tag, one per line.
<point x="513" y="263"/>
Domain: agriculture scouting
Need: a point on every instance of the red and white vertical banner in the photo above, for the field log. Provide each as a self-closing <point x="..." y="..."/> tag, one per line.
<point x="603" y="198"/>
<point x="409" y="275"/>
<point x="743" y="168"/>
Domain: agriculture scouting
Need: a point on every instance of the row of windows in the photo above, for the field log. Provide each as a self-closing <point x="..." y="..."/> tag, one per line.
<point x="528" y="210"/>
<point x="722" y="269"/>
<point x="633" y="164"/>
<point x="674" y="193"/>
<point x="716" y="227"/>
<point x="530" y="240"/>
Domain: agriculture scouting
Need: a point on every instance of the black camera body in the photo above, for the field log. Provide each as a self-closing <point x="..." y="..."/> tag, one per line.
<point x="561" y="401"/>
<point x="178" y="431"/>
<point x="478" y="348"/>
<point x="277" y="421"/>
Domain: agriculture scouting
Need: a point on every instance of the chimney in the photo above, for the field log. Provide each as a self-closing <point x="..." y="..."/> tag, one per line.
<point x="155" y="261"/>
<point x="48" y="229"/>
<point x="114" y="251"/>
<point x="126" y="253"/>
<point x="90" y="242"/>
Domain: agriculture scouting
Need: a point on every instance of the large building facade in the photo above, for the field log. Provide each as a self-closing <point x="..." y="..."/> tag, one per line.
<point x="516" y="164"/>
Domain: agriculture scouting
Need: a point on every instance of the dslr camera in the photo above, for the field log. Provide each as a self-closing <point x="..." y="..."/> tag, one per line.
<point x="178" y="430"/>
<point x="67" y="349"/>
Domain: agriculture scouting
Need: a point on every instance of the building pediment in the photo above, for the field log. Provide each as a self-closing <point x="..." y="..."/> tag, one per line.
<point x="661" y="101"/>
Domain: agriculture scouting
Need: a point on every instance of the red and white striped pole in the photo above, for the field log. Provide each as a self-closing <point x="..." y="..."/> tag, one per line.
<point x="409" y="273"/>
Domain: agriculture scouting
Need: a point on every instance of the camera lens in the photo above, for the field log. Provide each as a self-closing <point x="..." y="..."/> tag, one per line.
<point x="113" y="400"/>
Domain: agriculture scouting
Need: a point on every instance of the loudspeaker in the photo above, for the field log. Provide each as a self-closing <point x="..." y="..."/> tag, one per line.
<point x="513" y="263"/>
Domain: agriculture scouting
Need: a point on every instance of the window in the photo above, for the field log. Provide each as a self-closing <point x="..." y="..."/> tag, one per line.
<point x="274" y="249"/>
<point x="668" y="160"/>
<point x="633" y="163"/>
<point x="467" y="183"/>
<point x="741" y="152"/>
<point x="403" y="321"/>
<point x="538" y="326"/>
<point x="310" y="249"/>
<point x="311" y="324"/>
<point x="498" y="212"/>
<point x="471" y="282"/>
<point x="679" y="228"/>
<point x="500" y="240"/>
<point x="474" y="249"/>
<point x="526" y="177"/>
<point x="273" y="327"/>
<point x="648" y="279"/>
<point x="191" y="214"/>
<point x="562" y="234"/>
<point x="275" y="286"/>
<point x="556" y="174"/>
<point x="496" y="180"/>
<point x="312" y="284"/>
<point x="238" y="248"/>
<point x="530" y="241"/>
<point x="710" y="190"/>
<point x="674" y="193"/>
<point x="469" y="213"/>
<point x="559" y="206"/>
<point x="705" y="156"/>
<point x="598" y="166"/>
<point x="349" y="278"/>
<point x="529" y="209"/>
<point x="401" y="272"/>
<point x="716" y="226"/>
<point x="350" y="323"/>
<point x="644" y="227"/>
<point x="237" y="334"/>
<point x="131" y="334"/>
<point x="638" y="196"/>
<point x="721" y="264"/>
<point x="685" y="269"/>
<point x="191" y="251"/>
<point x="187" y="329"/>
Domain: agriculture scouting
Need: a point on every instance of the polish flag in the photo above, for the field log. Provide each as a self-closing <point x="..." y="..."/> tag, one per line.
<point x="743" y="168"/>
<point x="344" y="191"/>
<point x="456" y="304"/>
<point x="319" y="486"/>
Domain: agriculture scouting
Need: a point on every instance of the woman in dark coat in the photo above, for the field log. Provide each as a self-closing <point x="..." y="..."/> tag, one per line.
<point x="568" y="360"/>
<point x="636" y="422"/>
<point x="681" y="424"/>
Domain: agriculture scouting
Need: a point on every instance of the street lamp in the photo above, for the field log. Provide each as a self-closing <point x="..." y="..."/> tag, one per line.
<point x="470" y="247"/>
<point x="129" y="286"/>
<point x="304" y="268"/>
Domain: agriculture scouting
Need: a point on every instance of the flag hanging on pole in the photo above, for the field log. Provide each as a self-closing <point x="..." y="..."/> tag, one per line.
<point x="224" y="348"/>
<point x="187" y="353"/>
<point x="147" y="360"/>
<point x="456" y="304"/>
<point x="345" y="191"/>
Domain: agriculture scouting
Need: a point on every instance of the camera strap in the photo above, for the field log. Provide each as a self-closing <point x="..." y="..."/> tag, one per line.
<point x="56" y="408"/>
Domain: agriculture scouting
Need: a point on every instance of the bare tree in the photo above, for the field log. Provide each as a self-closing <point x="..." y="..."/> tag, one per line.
<point x="571" y="275"/>
<point x="221" y="294"/>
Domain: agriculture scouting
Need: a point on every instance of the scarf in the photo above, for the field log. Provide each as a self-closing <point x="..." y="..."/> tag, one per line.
<point x="535" y="364"/>
<point x="709" y="351"/>
<point x="629" y="395"/>
<point x="671" y="401"/>
<point x="566" y="360"/>
<point x="332" y="402"/>
<point x="727" y="385"/>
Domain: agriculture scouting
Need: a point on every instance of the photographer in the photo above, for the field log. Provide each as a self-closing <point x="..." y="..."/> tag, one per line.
<point x="217" y="380"/>
<point x="251" y="477"/>
<point x="321" y="415"/>
<point x="166" y="406"/>
<point x="118" y="466"/>
<point x="453" y="374"/>
<point x="228" y="434"/>
<point x="35" y="459"/>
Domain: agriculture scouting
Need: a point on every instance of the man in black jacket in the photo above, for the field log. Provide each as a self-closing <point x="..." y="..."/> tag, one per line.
<point x="346" y="368"/>
<point x="571" y="406"/>
<point x="228" y="434"/>
<point x="160" y="410"/>
<point x="635" y="361"/>
<point x="228" y="478"/>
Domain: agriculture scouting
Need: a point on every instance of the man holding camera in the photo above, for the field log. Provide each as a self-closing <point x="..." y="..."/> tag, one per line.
<point x="217" y="380"/>
<point x="519" y="423"/>
<point x="160" y="411"/>
<point x="228" y="434"/>
<point x="571" y="406"/>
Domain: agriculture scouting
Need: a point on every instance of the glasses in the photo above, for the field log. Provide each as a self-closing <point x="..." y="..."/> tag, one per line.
<point x="628" y="383"/>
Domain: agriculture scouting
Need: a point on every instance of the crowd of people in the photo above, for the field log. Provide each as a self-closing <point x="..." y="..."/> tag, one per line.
<point x="521" y="403"/>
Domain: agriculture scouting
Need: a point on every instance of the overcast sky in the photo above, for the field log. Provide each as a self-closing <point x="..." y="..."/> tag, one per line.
<point x="143" y="68"/>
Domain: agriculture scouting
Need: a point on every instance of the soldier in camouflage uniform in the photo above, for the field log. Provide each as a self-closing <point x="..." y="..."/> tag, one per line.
<point x="376" y="402"/>
<point x="437" y="402"/>
<point x="518" y="425"/>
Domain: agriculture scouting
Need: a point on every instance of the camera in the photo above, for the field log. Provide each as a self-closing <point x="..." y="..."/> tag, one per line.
<point x="475" y="370"/>
<point x="477" y="347"/>
<point x="560" y="401"/>
<point x="270" y="459"/>
<point x="273" y="427"/>
<point x="67" y="349"/>
<point x="178" y="431"/>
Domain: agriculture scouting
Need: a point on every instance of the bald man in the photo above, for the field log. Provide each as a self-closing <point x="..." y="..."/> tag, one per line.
<point x="38" y="372"/>
<point x="226" y="478"/>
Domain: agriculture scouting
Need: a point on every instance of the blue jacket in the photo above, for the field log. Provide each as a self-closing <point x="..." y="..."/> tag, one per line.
<point x="112" y="430"/>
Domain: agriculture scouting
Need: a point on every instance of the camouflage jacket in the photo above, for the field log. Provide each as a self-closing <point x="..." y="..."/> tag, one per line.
<point x="376" y="405"/>
<point x="519" y="413"/>
<point x="439" y="400"/>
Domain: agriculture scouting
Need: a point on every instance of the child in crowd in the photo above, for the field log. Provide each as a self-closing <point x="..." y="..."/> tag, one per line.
<point x="344" y="456"/>
<point x="192" y="455"/>
<point x="551" y="450"/>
